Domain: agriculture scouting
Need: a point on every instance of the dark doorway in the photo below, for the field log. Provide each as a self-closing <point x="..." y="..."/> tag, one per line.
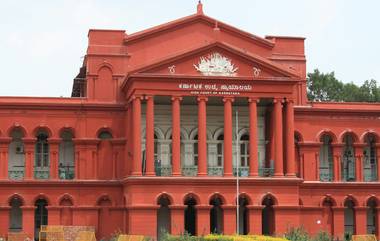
<point x="349" y="217"/>
<point x="15" y="215"/>
<point x="268" y="221"/>
<point x="372" y="216"/>
<point x="216" y="216"/>
<point x="190" y="216"/>
<point x="243" y="215"/>
<point x="40" y="216"/>
<point x="163" y="217"/>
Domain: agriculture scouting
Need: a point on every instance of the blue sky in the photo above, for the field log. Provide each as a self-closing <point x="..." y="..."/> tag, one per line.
<point x="42" y="42"/>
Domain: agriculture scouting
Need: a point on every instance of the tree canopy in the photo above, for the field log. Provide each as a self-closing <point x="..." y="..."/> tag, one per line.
<point x="325" y="87"/>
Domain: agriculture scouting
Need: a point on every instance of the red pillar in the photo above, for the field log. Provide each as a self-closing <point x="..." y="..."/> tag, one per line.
<point x="255" y="219"/>
<point x="176" y="135"/>
<point x="136" y="171"/>
<point x="290" y="160"/>
<point x="361" y="220"/>
<point x="4" y="149"/>
<point x="203" y="219"/>
<point x="28" y="220"/>
<point x="359" y="161"/>
<point x="227" y="136"/>
<point x="143" y="221"/>
<point x="229" y="219"/>
<point x="54" y="158"/>
<point x="177" y="219"/>
<point x="149" y="136"/>
<point x="29" y="157"/>
<point x="337" y="153"/>
<point x="279" y="163"/>
<point x="338" y="213"/>
<point x="253" y="153"/>
<point x="202" y="137"/>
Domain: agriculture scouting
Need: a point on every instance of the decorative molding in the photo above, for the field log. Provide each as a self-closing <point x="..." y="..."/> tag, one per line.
<point x="216" y="64"/>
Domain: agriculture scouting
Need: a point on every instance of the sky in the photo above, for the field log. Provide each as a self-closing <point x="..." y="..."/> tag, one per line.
<point x="42" y="42"/>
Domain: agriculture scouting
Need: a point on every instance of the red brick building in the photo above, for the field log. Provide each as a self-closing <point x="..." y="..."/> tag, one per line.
<point x="148" y="141"/>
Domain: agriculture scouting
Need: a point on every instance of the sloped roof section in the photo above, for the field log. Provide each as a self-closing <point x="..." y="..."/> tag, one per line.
<point x="199" y="17"/>
<point x="233" y="52"/>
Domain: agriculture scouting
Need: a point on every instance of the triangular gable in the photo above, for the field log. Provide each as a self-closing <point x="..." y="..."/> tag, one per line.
<point x="197" y="18"/>
<point x="243" y="63"/>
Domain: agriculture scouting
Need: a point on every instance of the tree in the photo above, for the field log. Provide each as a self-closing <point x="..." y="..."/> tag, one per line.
<point x="325" y="87"/>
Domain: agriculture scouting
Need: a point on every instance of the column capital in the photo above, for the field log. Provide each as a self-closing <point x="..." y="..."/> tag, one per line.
<point x="5" y="140"/>
<point x="139" y="97"/>
<point x="362" y="145"/>
<point x="228" y="99"/>
<point x="54" y="140"/>
<point x="202" y="98"/>
<point x="148" y="97"/>
<point x="289" y="101"/>
<point x="280" y="100"/>
<point x="29" y="140"/>
<point x="175" y="97"/>
<point x="253" y="99"/>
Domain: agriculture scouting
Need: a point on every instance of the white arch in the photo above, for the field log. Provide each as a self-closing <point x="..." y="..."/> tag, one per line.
<point x="194" y="132"/>
<point x="184" y="135"/>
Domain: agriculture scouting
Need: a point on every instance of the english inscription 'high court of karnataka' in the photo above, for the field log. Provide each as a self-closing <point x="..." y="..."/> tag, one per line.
<point x="148" y="141"/>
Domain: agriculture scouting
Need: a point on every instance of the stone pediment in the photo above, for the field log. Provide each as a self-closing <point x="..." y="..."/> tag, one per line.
<point x="217" y="59"/>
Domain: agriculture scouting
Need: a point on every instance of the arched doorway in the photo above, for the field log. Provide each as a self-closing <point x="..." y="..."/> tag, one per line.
<point x="268" y="218"/>
<point x="327" y="215"/>
<point x="163" y="216"/>
<point x="190" y="216"/>
<point x="349" y="217"/>
<point x="372" y="216"/>
<point x="104" y="203"/>
<point x="66" y="211"/>
<point x="216" y="215"/>
<point x="66" y="165"/>
<point x="42" y="157"/>
<point x="243" y="215"/>
<point x="15" y="215"/>
<point x="40" y="216"/>
<point x="370" y="159"/>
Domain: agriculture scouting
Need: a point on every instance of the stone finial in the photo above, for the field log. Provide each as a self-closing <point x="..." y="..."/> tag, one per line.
<point x="200" y="7"/>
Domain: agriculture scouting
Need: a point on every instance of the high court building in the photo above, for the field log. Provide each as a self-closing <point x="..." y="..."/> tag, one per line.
<point x="160" y="124"/>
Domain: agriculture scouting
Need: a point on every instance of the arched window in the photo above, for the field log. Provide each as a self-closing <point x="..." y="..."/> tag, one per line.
<point x="40" y="216"/>
<point x="370" y="160"/>
<point x="326" y="160"/>
<point x="15" y="215"/>
<point x="216" y="215"/>
<point x="297" y="154"/>
<point x="16" y="161"/>
<point x="349" y="217"/>
<point x="219" y="150"/>
<point x="372" y="217"/>
<point x="327" y="215"/>
<point x="105" y="162"/>
<point x="195" y="150"/>
<point x="243" y="216"/>
<point x="190" y="216"/>
<point x="163" y="217"/>
<point x="348" y="155"/>
<point x="105" y="135"/>
<point x="244" y="150"/>
<point x="267" y="216"/>
<point x="66" y="167"/>
<point x="42" y="163"/>
<point x="156" y="148"/>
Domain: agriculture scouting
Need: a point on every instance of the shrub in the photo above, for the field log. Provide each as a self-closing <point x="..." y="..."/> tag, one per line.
<point x="322" y="236"/>
<point x="297" y="234"/>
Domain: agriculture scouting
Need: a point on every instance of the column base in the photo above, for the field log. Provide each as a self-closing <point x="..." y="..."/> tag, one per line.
<point x="293" y="175"/>
<point x="278" y="175"/>
<point x="150" y="174"/>
<point x="176" y="174"/>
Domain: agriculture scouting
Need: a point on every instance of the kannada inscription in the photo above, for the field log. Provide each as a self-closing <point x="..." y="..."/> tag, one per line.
<point x="215" y="89"/>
